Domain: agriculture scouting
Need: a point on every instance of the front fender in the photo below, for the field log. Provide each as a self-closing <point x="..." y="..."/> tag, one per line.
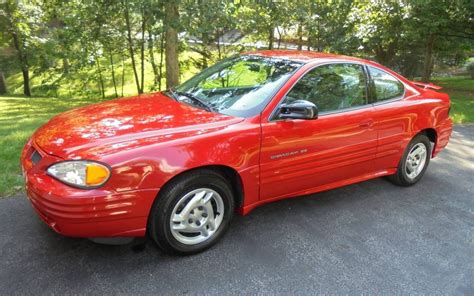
<point x="153" y="165"/>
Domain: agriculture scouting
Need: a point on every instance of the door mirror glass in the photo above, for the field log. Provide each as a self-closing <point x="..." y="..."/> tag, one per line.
<point x="299" y="109"/>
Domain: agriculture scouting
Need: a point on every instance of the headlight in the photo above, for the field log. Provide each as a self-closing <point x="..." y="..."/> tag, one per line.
<point x="80" y="173"/>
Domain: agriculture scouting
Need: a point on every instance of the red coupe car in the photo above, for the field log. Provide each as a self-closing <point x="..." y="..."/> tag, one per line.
<point x="252" y="129"/>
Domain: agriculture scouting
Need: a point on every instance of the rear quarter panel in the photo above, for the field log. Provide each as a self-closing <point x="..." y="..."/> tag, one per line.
<point x="399" y="121"/>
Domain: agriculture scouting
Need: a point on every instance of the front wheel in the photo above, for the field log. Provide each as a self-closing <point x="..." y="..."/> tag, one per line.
<point x="191" y="213"/>
<point x="414" y="162"/>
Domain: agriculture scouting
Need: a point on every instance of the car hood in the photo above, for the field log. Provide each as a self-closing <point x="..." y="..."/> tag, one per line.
<point x="137" y="120"/>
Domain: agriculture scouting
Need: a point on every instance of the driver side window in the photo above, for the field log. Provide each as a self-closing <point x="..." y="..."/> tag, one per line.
<point x="331" y="87"/>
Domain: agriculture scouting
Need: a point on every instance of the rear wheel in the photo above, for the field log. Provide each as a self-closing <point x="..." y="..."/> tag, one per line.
<point x="414" y="162"/>
<point x="191" y="213"/>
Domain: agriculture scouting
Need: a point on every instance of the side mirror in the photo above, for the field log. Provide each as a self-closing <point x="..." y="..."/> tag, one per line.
<point x="299" y="109"/>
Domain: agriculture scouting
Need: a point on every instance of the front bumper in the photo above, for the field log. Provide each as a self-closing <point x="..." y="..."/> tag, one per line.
<point x="84" y="213"/>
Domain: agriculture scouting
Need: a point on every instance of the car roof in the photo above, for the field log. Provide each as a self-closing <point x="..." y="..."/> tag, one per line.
<point x="303" y="56"/>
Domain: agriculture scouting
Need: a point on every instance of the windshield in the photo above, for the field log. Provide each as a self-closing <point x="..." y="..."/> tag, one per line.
<point x="239" y="86"/>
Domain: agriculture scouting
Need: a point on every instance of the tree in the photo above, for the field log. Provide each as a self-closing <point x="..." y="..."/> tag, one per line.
<point x="3" y="84"/>
<point x="379" y="28"/>
<point x="262" y="18"/>
<point x="4" y="64"/>
<point x="406" y="36"/>
<point x="155" y="32"/>
<point x="98" y="46"/>
<point x="171" y="39"/>
<point x="205" y="22"/>
<point x="20" y="22"/>
<point x="445" y="20"/>
<point x="126" y="8"/>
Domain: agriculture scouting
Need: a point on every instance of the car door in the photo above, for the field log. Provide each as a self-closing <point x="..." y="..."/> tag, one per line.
<point x="302" y="156"/>
<point x="393" y="116"/>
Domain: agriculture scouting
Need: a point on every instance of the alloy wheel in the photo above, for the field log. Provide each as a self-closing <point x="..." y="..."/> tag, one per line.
<point x="416" y="160"/>
<point x="197" y="216"/>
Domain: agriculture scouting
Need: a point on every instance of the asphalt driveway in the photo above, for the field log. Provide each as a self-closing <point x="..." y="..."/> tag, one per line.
<point x="369" y="238"/>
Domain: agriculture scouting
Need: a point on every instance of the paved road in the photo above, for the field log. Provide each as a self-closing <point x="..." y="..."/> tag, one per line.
<point x="370" y="238"/>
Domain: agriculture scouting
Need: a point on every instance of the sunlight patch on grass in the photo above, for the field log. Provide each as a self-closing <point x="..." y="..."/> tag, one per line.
<point x="85" y="84"/>
<point x="461" y="92"/>
<point x="19" y="118"/>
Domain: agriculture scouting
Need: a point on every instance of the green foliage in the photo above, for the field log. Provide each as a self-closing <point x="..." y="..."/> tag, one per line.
<point x="86" y="47"/>
<point x="397" y="33"/>
<point x="205" y="23"/>
<point x="470" y="68"/>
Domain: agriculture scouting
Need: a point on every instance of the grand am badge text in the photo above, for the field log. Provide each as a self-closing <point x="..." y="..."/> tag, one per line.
<point x="286" y="154"/>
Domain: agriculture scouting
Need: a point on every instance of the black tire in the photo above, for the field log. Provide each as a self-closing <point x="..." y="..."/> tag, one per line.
<point x="401" y="178"/>
<point x="159" y="221"/>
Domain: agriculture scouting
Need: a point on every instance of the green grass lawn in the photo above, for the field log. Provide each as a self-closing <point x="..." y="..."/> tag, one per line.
<point x="20" y="116"/>
<point x="461" y="92"/>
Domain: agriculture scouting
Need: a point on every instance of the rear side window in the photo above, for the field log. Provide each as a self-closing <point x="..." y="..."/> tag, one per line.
<point x="386" y="87"/>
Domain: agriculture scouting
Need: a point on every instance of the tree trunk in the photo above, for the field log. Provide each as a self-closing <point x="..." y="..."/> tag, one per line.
<point x="26" y="82"/>
<point x="318" y="36"/>
<point x="65" y="65"/>
<point x="113" y="74"/>
<point x="310" y="40"/>
<point x="271" y="36"/>
<point x="279" y="37"/>
<point x="284" y="33"/>
<point x="204" y="53"/>
<point x="130" y="47"/>
<point x="151" y="53"/>
<point x="101" y="79"/>
<point x="123" y="71"/>
<point x="3" y="84"/>
<point x="428" y="63"/>
<point x="380" y="55"/>
<point x="22" y="57"/>
<point x="162" y="50"/>
<point x="205" y="41"/>
<point x="142" y="53"/>
<point x="300" y="36"/>
<point x="219" y="53"/>
<point x="310" y="27"/>
<point x="172" y="62"/>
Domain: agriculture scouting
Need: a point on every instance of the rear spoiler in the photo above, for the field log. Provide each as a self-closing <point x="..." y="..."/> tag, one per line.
<point x="427" y="85"/>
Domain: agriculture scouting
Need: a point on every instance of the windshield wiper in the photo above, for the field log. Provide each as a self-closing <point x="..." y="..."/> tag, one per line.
<point x="196" y="100"/>
<point x="174" y="95"/>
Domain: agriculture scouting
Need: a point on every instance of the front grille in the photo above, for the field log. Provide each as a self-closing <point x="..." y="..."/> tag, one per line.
<point x="35" y="157"/>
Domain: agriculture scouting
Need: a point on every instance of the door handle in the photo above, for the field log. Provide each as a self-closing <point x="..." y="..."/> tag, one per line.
<point x="367" y="123"/>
